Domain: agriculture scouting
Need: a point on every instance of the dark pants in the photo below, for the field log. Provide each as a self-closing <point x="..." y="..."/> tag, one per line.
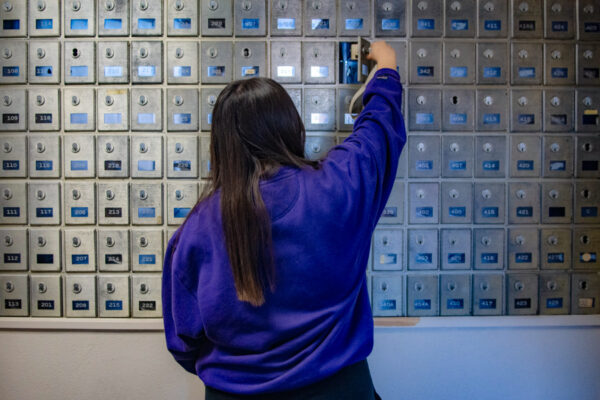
<point x="350" y="383"/>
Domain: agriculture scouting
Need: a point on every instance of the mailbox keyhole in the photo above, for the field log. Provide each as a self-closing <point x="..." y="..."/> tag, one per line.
<point x="109" y="5"/>
<point x="110" y="194"/>
<point x="454" y="99"/>
<point x="76" y="53"/>
<point x="555" y="147"/>
<point x="316" y="148"/>
<point x="418" y="286"/>
<point x="7" y="101"/>
<point x="7" y="147"/>
<point x="247" y="5"/>
<point x="585" y="239"/>
<point x="75" y="100"/>
<point x="316" y="5"/>
<point x="486" y="241"/>
<point x="451" y="286"/>
<point x="76" y="5"/>
<point x="520" y="240"/>
<point x="588" y="55"/>
<point x="76" y="288"/>
<point x="40" y="147"/>
<point x="384" y="286"/>
<point x="422" y="6"/>
<point x="523" y="54"/>
<point x="109" y="147"/>
<point x="7" y="6"/>
<point x="178" y="100"/>
<point x="40" y="195"/>
<point x="553" y="240"/>
<point x="178" y="52"/>
<point x="282" y="5"/>
<point x="585" y="193"/>
<point x="488" y="100"/>
<point x="179" y="5"/>
<point x="522" y="147"/>
<point x="41" y="53"/>
<point x="42" y="288"/>
<point x="178" y="148"/>
<point x="521" y="194"/>
<point x="143" y="288"/>
<point x="6" y="53"/>
<point x="421" y="194"/>
<point x="109" y="101"/>
<point x="246" y="52"/>
<point x="9" y="286"/>
<point x="519" y="286"/>
<point x="523" y="101"/>
<point x="587" y="147"/>
<point x="213" y="5"/>
<point x="76" y="242"/>
<point x="387" y="6"/>
<point x="587" y="101"/>
<point x="583" y="285"/>
<point x="484" y="286"/>
<point x="454" y="147"/>
<point x="421" y="147"/>
<point x="143" y="194"/>
<point x="455" y="6"/>
<point x="109" y="53"/>
<point x="420" y="240"/>
<point x="143" y="242"/>
<point x="178" y="194"/>
<point x="143" y="148"/>
<point x="553" y="194"/>
<point x="8" y="241"/>
<point x="486" y="194"/>
<point x="76" y="194"/>
<point x="143" y="100"/>
<point x="453" y="193"/>
<point x="556" y="8"/>
<point x="7" y="194"/>
<point x="110" y="288"/>
<point x="551" y="285"/>
<point x="143" y="52"/>
<point x="41" y="241"/>
<point x="110" y="242"/>
<point x="487" y="147"/>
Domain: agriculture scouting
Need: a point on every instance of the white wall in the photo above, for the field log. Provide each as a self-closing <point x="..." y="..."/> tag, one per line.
<point x="509" y="358"/>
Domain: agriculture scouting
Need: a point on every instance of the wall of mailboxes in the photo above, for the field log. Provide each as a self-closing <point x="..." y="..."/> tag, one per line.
<point x="106" y="112"/>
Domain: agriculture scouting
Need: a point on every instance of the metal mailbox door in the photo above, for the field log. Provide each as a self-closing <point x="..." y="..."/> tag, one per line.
<point x="182" y="157"/>
<point x="354" y="18"/>
<point x="585" y="248"/>
<point x="490" y="156"/>
<point x="43" y="201"/>
<point x="317" y="147"/>
<point x="555" y="248"/>
<point x="13" y="109"/>
<point x="526" y="110"/>
<point x="286" y="18"/>
<point x="488" y="248"/>
<point x="458" y="107"/>
<point x="588" y="156"/>
<point x="589" y="20"/>
<point x="527" y="63"/>
<point x="80" y="250"/>
<point x="456" y="249"/>
<point x="525" y="156"/>
<point x="425" y="62"/>
<point x="319" y="109"/>
<point x="457" y="156"/>
<point x="146" y="62"/>
<point x="492" y="109"/>
<point x="587" y="201"/>
<point x="422" y="295"/>
<point x="250" y="59"/>
<point x="319" y="62"/>
<point x="387" y="295"/>
<point x="182" y="62"/>
<point x="146" y="17"/>
<point x="146" y="109"/>
<point x="113" y="203"/>
<point x="181" y="198"/>
<point x="80" y="296"/>
<point x="250" y="17"/>
<point x="585" y="294"/>
<point x="14" y="295"/>
<point x="489" y="203"/>
<point x="145" y="296"/>
<point x="493" y="18"/>
<point x="523" y="248"/>
<point x="146" y="157"/>
<point x="388" y="249"/>
<point x="14" y="18"/>
<point x="588" y="64"/>
<point x="79" y="107"/>
<point x="44" y="62"/>
<point x="13" y="203"/>
<point x="423" y="203"/>
<point x="460" y="18"/>
<point x="44" y="156"/>
<point x="492" y="63"/>
<point x="13" y="156"/>
<point x="522" y="296"/>
<point x="320" y="18"/>
<point x="80" y="18"/>
<point x="423" y="156"/>
<point x="182" y="18"/>
<point x="523" y="203"/>
<point x="80" y="203"/>
<point x="560" y="19"/>
<point x="44" y="250"/>
<point x="113" y="296"/>
<point x="527" y="19"/>
<point x="558" y="156"/>
<point x="588" y="110"/>
<point x="345" y="120"/>
<point x="286" y="63"/>
<point x="393" y="213"/>
<point x="555" y="298"/>
<point x="423" y="249"/>
<point x="217" y="61"/>
<point x="488" y="290"/>
<point x="457" y="202"/>
<point x="427" y="18"/>
<point x="182" y="110"/>
<point x="113" y="62"/>
<point x="113" y="109"/>
<point x="560" y="64"/>
<point x="559" y="110"/>
<point x="209" y="99"/>
<point x="424" y="109"/>
<point x="13" y="61"/>
<point x="217" y="17"/>
<point x="390" y="18"/>
<point x="113" y="250"/>
<point x="44" y="110"/>
<point x="455" y="296"/>
<point x="46" y="296"/>
<point x="13" y="249"/>
<point x="146" y="250"/>
<point x="44" y="18"/>
<point x="113" y="156"/>
<point x="146" y="203"/>
<point x="557" y="203"/>
<point x="113" y="18"/>
<point x="459" y="63"/>
<point x="80" y="62"/>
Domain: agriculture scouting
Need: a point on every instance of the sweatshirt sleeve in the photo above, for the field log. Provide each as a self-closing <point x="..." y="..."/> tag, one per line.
<point x="181" y="315"/>
<point x="368" y="159"/>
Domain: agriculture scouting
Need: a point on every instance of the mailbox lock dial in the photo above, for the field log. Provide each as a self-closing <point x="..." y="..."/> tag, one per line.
<point x="110" y="242"/>
<point x="75" y="147"/>
<point x="522" y="147"/>
<point x="486" y="241"/>
<point x="519" y="286"/>
<point x="40" y="100"/>
<point x="212" y="99"/>
<point x="109" y="5"/>
<point x="7" y="101"/>
<point x="489" y="6"/>
<point x="143" y="100"/>
<point x="7" y="147"/>
<point x="522" y="101"/>
<point x="143" y="5"/>
<point x="110" y="194"/>
<point x="555" y="147"/>
<point x="178" y="100"/>
<point x="75" y="100"/>
<point x="213" y="5"/>
<point x="178" y="148"/>
<point x="143" y="147"/>
<point x="143" y="194"/>
<point x="76" y="242"/>
<point x="6" y="53"/>
<point x="40" y="195"/>
<point x="520" y="240"/>
<point x="551" y="285"/>
<point x="144" y="288"/>
<point x="212" y="52"/>
<point x="179" y="5"/>
<point x="9" y="286"/>
<point x="7" y="194"/>
<point x="552" y="240"/>
<point x="451" y="286"/>
<point x="178" y="52"/>
<point x="486" y="194"/>
<point x="7" y="6"/>
<point x="76" y="194"/>
<point x="109" y="52"/>
<point x="179" y="195"/>
<point x="40" y="147"/>
<point x="110" y="288"/>
<point x="40" y="53"/>
<point x="555" y="101"/>
<point x="41" y="241"/>
<point x="487" y="147"/>
<point x="421" y="100"/>
<point x="143" y="242"/>
<point x="109" y="147"/>
<point x="488" y="100"/>
<point x="524" y="7"/>
<point x="553" y="194"/>
<point x="421" y="53"/>
<point x="76" y="288"/>
<point x="453" y="193"/>
<point x="8" y="241"/>
<point x="521" y="194"/>
<point x="42" y="288"/>
<point x="109" y="101"/>
<point x="143" y="52"/>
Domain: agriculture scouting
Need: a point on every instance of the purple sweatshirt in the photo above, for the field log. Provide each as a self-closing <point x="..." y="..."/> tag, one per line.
<point x="318" y="320"/>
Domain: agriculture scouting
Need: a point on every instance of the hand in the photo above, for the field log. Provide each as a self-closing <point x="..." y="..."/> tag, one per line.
<point x="383" y="54"/>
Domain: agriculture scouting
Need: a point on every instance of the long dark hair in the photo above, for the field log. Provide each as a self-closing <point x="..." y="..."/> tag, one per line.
<point x="255" y="130"/>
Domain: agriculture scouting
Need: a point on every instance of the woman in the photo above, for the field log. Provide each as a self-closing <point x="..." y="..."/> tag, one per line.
<point x="264" y="288"/>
